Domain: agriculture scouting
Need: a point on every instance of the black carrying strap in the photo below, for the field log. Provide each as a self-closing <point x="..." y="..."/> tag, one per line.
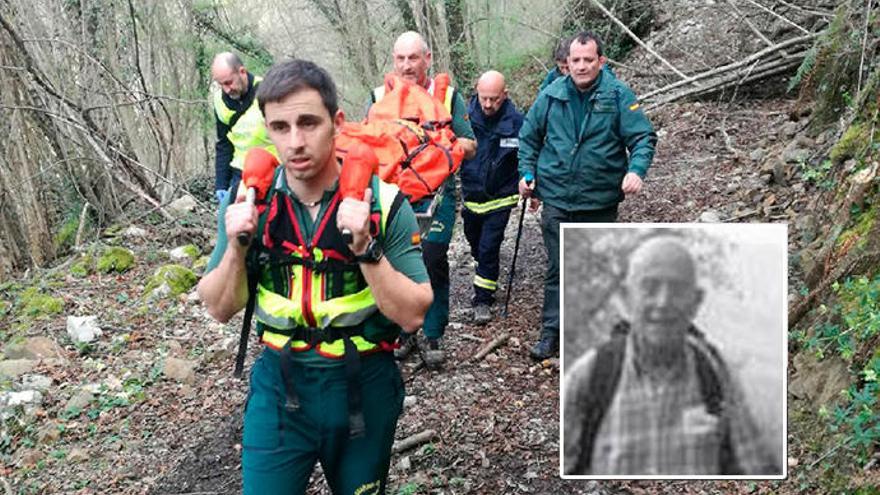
<point x="356" y="423"/>
<point x="252" y="279"/>
<point x="600" y="392"/>
<point x="712" y="391"/>
<point x="352" y="360"/>
<point x="291" y="399"/>
<point x="605" y="376"/>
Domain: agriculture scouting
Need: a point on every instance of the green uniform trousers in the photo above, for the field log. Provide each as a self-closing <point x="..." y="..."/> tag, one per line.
<point x="280" y="447"/>
<point x="435" y="248"/>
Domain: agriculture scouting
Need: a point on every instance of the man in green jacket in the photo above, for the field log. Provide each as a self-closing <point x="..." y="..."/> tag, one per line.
<point x="584" y="146"/>
<point x="560" y="57"/>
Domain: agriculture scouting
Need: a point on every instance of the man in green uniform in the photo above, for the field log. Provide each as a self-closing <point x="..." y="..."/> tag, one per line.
<point x="238" y="120"/>
<point x="412" y="59"/>
<point x="584" y="146"/>
<point x="560" y="57"/>
<point x="326" y="388"/>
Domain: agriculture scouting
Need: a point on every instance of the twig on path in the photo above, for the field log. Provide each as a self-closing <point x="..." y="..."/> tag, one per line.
<point x="749" y="23"/>
<point x="741" y="216"/>
<point x="780" y="17"/>
<point x="413" y="441"/>
<point x="494" y="344"/>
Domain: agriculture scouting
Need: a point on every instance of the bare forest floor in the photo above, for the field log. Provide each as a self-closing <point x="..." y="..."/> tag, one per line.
<point x="496" y="419"/>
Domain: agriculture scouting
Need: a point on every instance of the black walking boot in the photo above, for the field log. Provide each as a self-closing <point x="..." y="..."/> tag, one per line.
<point x="546" y="348"/>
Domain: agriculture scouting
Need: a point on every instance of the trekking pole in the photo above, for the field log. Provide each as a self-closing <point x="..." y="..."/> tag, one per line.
<point x="522" y="215"/>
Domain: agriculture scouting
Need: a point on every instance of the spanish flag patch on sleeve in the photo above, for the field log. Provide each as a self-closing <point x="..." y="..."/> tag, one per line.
<point x="634" y="107"/>
<point x="416" y="239"/>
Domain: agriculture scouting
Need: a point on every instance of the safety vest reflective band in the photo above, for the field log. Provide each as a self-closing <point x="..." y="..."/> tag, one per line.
<point x="495" y="204"/>
<point x="316" y="284"/>
<point x="485" y="283"/>
<point x="249" y="130"/>
<point x="379" y="92"/>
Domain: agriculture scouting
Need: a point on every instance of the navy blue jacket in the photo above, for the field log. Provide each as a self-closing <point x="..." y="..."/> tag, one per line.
<point x="492" y="172"/>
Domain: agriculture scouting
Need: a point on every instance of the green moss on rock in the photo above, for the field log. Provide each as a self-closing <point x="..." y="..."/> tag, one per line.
<point x="83" y="266"/>
<point x="857" y="232"/>
<point x="201" y="263"/>
<point x="170" y="280"/>
<point x="66" y="233"/>
<point x="115" y="259"/>
<point x="192" y="251"/>
<point x="853" y="144"/>
<point x="33" y="303"/>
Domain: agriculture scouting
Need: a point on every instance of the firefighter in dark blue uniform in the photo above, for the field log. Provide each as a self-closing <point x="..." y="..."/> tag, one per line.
<point x="489" y="184"/>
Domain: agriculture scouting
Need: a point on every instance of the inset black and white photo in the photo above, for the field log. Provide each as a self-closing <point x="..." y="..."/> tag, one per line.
<point x="673" y="351"/>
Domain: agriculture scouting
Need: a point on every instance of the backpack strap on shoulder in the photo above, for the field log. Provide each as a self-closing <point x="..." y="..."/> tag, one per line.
<point x="712" y="392"/>
<point x="604" y="378"/>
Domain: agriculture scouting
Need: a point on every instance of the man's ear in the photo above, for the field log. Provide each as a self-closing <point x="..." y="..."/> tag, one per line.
<point x="338" y="120"/>
<point x="428" y="57"/>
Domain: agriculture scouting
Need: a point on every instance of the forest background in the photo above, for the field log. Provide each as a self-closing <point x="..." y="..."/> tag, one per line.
<point x="767" y="111"/>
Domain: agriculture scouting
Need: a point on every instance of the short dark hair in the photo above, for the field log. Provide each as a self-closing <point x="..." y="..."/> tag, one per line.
<point x="560" y="53"/>
<point x="295" y="75"/>
<point x="585" y="37"/>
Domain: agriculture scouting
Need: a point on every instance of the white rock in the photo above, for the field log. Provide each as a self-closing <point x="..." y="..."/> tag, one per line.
<point x="183" y="204"/>
<point x="23" y="398"/>
<point x="133" y="231"/>
<point x="36" y="382"/>
<point x="710" y="216"/>
<point x="83" y="329"/>
<point x="179" y="253"/>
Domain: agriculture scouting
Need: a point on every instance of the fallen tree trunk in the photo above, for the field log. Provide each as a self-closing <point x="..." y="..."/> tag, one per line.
<point x="738" y="67"/>
<point x="736" y="78"/>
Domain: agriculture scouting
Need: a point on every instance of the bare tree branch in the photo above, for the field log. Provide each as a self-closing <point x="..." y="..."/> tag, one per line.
<point x="637" y="39"/>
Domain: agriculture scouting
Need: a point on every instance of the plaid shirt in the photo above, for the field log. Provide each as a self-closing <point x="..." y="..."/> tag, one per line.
<point x="660" y="425"/>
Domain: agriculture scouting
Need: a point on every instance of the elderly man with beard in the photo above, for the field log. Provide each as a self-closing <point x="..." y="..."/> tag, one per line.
<point x="657" y="398"/>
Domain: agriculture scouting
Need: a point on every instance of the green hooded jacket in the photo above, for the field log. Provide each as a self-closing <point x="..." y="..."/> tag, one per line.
<point x="579" y="146"/>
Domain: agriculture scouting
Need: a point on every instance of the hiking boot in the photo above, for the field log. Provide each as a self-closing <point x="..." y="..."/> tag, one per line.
<point x="482" y="314"/>
<point x="546" y="348"/>
<point x="432" y="354"/>
<point x="407" y="345"/>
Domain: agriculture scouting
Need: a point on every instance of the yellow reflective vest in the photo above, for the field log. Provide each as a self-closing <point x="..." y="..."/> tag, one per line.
<point x="314" y="288"/>
<point x="249" y="130"/>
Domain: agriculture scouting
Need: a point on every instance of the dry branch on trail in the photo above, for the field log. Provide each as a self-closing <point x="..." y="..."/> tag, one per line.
<point x="413" y="441"/>
<point x="491" y="346"/>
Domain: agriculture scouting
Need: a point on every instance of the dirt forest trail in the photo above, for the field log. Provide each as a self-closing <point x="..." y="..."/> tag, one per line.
<point x="496" y="419"/>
